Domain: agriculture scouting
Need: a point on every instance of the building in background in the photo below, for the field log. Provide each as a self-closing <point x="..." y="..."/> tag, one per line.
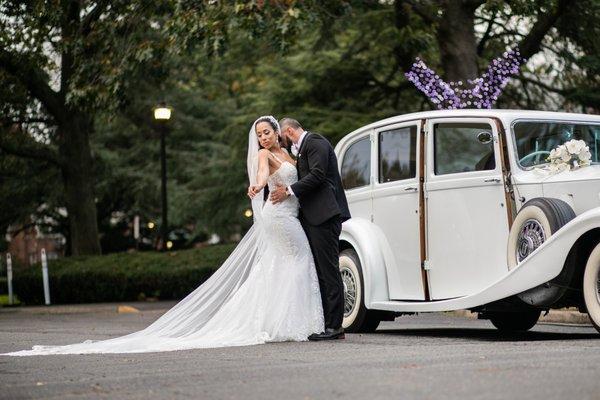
<point x="25" y="244"/>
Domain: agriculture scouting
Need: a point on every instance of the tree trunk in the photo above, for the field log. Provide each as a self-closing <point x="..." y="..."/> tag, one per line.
<point x="456" y="40"/>
<point x="78" y="179"/>
<point x="75" y="128"/>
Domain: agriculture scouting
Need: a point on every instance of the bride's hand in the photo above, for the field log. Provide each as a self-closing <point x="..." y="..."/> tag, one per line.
<point x="254" y="190"/>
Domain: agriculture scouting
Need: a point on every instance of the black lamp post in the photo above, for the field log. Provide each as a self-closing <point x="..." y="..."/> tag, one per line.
<point x="162" y="114"/>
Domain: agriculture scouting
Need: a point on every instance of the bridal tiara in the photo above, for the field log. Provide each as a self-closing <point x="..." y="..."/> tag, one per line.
<point x="272" y="120"/>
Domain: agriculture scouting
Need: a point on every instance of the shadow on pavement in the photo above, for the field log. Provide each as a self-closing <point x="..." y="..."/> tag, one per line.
<point x="488" y="335"/>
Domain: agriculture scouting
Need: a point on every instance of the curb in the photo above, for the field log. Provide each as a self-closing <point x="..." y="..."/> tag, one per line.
<point x="119" y="308"/>
<point x="562" y="316"/>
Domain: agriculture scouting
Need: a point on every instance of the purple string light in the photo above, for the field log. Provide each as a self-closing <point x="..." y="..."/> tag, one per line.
<point x="484" y="90"/>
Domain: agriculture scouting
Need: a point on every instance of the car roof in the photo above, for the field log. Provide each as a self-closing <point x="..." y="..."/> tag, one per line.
<point x="506" y="115"/>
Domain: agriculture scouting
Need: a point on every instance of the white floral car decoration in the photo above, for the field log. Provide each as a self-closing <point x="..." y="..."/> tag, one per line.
<point x="571" y="155"/>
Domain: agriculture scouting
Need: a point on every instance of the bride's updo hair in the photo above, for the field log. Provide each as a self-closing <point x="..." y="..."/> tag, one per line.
<point x="273" y="123"/>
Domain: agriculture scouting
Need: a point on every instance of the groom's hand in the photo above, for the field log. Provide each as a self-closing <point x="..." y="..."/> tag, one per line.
<point x="278" y="195"/>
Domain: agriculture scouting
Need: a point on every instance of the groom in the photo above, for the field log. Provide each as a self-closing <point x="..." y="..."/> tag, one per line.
<point x="323" y="208"/>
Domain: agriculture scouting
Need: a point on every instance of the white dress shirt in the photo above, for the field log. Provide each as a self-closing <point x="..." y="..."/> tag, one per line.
<point x="298" y="145"/>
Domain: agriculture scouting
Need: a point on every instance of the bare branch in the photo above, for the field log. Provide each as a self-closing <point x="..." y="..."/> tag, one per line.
<point x="532" y="42"/>
<point x="509" y="33"/>
<point x="527" y="94"/>
<point x="486" y="35"/>
<point x="93" y="16"/>
<point x="34" y="79"/>
<point x="544" y="85"/>
<point x="26" y="147"/>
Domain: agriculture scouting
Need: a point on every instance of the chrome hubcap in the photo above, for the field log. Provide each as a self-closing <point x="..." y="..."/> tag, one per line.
<point x="349" y="282"/>
<point x="530" y="238"/>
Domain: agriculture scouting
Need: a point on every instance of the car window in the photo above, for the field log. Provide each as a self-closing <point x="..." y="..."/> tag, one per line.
<point x="356" y="166"/>
<point x="398" y="154"/>
<point x="536" y="139"/>
<point x="463" y="147"/>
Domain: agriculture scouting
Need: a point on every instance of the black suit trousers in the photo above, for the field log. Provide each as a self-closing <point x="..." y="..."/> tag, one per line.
<point x="324" y="244"/>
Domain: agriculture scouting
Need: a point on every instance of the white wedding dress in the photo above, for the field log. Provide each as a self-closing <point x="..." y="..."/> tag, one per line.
<point x="266" y="291"/>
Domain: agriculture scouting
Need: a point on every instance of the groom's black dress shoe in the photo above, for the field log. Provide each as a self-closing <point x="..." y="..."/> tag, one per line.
<point x="329" y="334"/>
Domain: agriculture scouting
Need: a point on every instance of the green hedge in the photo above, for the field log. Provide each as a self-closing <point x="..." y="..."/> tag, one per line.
<point x="120" y="276"/>
<point x="3" y="285"/>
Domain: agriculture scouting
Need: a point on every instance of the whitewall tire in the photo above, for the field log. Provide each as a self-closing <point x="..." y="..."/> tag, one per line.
<point x="537" y="220"/>
<point x="356" y="316"/>
<point x="591" y="286"/>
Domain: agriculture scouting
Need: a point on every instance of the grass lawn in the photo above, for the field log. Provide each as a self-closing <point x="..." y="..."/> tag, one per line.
<point x="4" y="300"/>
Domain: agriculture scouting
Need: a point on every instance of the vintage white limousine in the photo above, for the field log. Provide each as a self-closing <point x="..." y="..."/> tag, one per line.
<point x="457" y="210"/>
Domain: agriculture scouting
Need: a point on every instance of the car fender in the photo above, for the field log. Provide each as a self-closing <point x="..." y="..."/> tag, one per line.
<point x="547" y="261"/>
<point x="373" y="250"/>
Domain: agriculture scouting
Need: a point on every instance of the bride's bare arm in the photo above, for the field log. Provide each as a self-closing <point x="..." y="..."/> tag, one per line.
<point x="262" y="175"/>
<point x="263" y="169"/>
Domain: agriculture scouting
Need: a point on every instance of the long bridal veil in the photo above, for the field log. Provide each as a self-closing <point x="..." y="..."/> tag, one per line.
<point x="191" y="314"/>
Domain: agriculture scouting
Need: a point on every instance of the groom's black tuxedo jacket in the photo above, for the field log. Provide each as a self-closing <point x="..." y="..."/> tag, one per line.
<point x="319" y="188"/>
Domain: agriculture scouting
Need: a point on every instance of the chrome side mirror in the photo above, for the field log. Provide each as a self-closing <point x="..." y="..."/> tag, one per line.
<point x="485" y="137"/>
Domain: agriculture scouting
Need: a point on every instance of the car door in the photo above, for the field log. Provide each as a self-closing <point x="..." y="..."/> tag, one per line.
<point x="467" y="223"/>
<point x="396" y="206"/>
<point x="356" y="167"/>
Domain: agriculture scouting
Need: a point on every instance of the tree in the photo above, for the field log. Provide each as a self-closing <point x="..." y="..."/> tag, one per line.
<point x="68" y="60"/>
<point x="335" y="65"/>
<point x="469" y="33"/>
<point x="343" y="62"/>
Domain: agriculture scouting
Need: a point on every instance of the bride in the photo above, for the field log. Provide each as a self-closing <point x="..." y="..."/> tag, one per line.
<point x="266" y="291"/>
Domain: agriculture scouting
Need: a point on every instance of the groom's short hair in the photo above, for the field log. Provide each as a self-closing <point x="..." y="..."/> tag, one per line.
<point x="291" y="122"/>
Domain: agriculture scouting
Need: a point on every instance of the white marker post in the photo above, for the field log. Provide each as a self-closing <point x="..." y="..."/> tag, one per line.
<point x="45" y="277"/>
<point x="136" y="227"/>
<point x="11" y="298"/>
<point x="136" y="231"/>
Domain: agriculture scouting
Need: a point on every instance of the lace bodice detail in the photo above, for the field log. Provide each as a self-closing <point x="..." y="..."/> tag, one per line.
<point x="281" y="220"/>
<point x="284" y="176"/>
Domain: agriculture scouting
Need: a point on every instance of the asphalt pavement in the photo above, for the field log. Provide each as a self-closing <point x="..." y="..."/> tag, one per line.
<point x="428" y="356"/>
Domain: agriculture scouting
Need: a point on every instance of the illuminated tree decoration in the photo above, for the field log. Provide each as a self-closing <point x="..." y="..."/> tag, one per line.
<point x="483" y="91"/>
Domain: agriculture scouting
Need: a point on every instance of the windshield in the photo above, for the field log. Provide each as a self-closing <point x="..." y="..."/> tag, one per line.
<point x="535" y="140"/>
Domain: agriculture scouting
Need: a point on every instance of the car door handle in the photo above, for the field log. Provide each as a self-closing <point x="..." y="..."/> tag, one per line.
<point x="497" y="180"/>
<point x="411" y="189"/>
